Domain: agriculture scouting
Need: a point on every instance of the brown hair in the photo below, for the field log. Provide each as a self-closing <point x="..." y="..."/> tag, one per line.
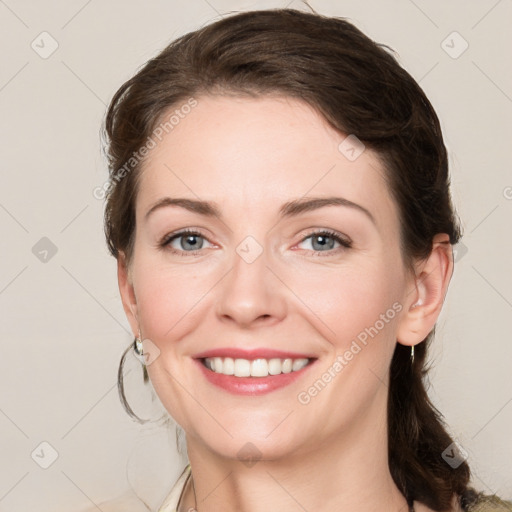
<point x="359" y="88"/>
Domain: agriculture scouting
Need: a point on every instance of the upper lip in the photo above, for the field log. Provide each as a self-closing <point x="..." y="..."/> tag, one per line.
<point x="255" y="353"/>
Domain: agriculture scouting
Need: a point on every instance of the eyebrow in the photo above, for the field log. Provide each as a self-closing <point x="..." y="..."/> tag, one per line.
<point x="289" y="209"/>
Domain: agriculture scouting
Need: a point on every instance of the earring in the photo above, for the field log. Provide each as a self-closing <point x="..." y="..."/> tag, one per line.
<point x="412" y="354"/>
<point x="138" y="348"/>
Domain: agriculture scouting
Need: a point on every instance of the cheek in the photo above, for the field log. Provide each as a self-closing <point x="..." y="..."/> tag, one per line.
<point x="168" y="299"/>
<point x="352" y="303"/>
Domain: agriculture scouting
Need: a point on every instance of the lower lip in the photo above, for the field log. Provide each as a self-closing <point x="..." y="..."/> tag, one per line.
<point x="252" y="385"/>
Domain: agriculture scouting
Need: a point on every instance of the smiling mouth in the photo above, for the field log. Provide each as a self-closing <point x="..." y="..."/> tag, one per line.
<point x="254" y="367"/>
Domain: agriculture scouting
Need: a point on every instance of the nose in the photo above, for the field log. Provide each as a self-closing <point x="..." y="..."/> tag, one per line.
<point x="251" y="294"/>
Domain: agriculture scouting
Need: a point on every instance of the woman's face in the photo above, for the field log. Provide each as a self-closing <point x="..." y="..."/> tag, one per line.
<point x="261" y="274"/>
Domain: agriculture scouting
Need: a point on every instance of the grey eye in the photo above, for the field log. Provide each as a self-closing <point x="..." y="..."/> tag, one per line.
<point x="186" y="242"/>
<point x="190" y="241"/>
<point x="320" y="242"/>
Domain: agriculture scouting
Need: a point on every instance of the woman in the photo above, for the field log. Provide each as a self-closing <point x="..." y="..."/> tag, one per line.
<point x="279" y="209"/>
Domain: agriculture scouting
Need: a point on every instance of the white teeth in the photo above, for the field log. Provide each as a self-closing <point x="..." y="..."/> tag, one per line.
<point x="217" y="364"/>
<point x="274" y="366"/>
<point x="228" y="366"/>
<point x="287" y="366"/>
<point x="298" y="364"/>
<point x="255" y="367"/>
<point x="242" y="368"/>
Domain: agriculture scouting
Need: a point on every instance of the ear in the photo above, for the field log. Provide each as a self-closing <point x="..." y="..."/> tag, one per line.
<point x="127" y="292"/>
<point x="423" y="304"/>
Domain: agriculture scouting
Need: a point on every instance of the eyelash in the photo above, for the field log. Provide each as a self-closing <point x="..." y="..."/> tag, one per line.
<point x="344" y="242"/>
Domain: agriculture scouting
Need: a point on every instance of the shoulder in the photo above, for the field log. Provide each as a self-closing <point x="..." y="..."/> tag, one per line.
<point x="490" y="504"/>
<point x="128" y="502"/>
<point x="124" y="503"/>
<point x="170" y="503"/>
<point x="472" y="501"/>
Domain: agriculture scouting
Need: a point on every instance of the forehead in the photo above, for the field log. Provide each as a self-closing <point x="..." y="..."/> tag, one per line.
<point x="257" y="153"/>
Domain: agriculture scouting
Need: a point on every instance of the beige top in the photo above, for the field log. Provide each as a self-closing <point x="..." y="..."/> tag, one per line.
<point x="170" y="504"/>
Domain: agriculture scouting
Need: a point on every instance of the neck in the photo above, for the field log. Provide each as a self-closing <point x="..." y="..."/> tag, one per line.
<point x="347" y="471"/>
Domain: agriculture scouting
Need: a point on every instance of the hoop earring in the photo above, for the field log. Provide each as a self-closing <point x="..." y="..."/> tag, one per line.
<point x="138" y="348"/>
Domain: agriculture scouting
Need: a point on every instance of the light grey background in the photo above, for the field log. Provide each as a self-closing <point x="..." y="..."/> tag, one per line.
<point x="63" y="328"/>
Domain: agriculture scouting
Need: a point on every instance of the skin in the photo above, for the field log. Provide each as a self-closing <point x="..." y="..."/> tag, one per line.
<point x="251" y="155"/>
